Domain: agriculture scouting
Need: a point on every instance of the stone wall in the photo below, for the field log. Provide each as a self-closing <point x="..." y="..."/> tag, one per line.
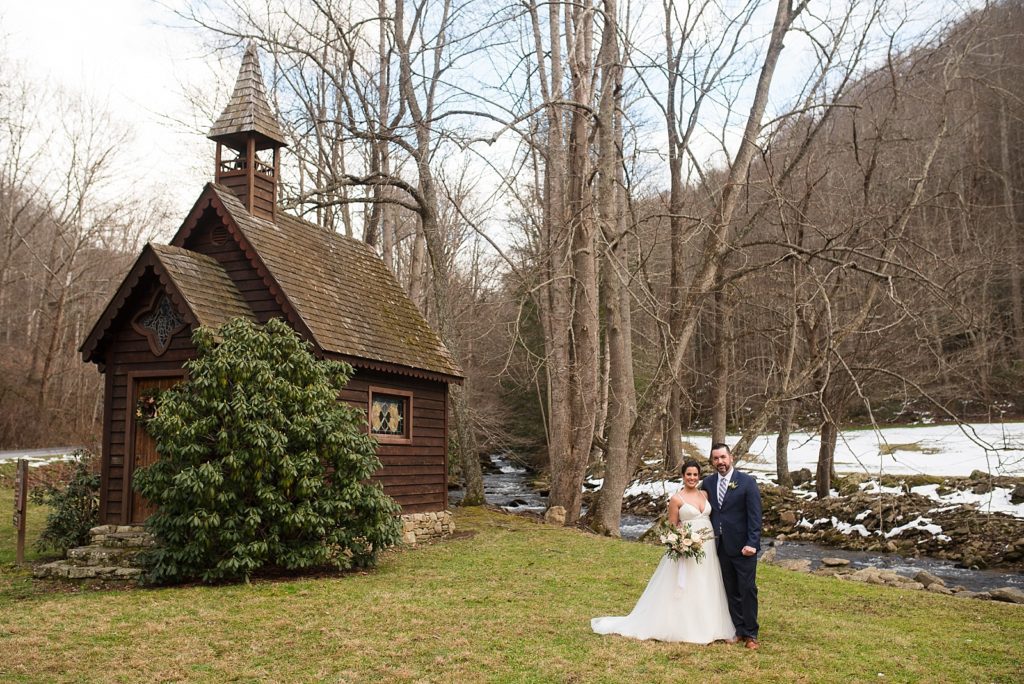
<point x="422" y="527"/>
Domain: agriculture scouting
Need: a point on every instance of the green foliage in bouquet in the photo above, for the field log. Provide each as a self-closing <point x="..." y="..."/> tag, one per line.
<point x="261" y="466"/>
<point x="74" y="506"/>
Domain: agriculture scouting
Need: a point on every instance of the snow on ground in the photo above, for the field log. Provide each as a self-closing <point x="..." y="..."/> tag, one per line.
<point x="945" y="450"/>
<point x="942" y="450"/>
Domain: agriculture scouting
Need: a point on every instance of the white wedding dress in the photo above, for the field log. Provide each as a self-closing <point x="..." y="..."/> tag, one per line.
<point x="697" y="613"/>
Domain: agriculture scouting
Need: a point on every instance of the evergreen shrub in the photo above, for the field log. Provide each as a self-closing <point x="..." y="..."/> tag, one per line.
<point x="74" y="506"/>
<point x="261" y="465"/>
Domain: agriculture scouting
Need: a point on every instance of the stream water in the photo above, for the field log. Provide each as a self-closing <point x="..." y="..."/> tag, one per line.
<point x="507" y="485"/>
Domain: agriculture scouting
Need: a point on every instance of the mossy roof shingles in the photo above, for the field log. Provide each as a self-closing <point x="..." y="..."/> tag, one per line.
<point x="206" y="287"/>
<point x="247" y="111"/>
<point x="343" y="292"/>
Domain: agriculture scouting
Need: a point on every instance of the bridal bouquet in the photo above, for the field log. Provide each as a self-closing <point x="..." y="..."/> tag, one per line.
<point x="684" y="542"/>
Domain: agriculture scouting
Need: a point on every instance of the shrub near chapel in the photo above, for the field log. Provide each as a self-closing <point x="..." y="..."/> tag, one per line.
<point x="260" y="464"/>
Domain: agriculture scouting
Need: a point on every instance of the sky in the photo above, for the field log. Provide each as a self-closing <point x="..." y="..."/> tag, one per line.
<point x="128" y="56"/>
<point x="137" y="59"/>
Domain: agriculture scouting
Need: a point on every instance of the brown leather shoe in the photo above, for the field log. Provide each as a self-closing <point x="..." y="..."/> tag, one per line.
<point x="752" y="643"/>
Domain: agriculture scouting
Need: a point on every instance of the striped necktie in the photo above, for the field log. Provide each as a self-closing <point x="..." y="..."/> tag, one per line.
<point x="722" y="484"/>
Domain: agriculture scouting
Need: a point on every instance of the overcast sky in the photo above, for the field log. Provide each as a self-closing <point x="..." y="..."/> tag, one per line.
<point x="128" y="56"/>
<point x="134" y="57"/>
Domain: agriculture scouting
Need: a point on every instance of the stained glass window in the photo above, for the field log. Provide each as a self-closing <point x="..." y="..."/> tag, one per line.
<point x="388" y="415"/>
<point x="160" y="324"/>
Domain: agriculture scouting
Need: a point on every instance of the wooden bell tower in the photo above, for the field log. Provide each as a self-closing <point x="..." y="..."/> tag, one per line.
<point x="249" y="142"/>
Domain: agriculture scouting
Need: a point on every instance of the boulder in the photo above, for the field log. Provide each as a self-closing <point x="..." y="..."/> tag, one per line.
<point x="890" y="577"/>
<point x="787" y="518"/>
<point x="834" y="562"/>
<point x="1017" y="495"/>
<point x="797" y="564"/>
<point x="939" y="589"/>
<point x="768" y="556"/>
<point x="868" y="574"/>
<point x="801" y="477"/>
<point x="555" y="515"/>
<point x="1008" y="595"/>
<point x="928" y="579"/>
<point x="982" y="487"/>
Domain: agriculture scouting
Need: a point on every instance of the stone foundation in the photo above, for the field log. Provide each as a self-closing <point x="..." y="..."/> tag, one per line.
<point x="422" y="527"/>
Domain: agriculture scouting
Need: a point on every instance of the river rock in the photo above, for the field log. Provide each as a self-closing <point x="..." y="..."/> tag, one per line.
<point x="939" y="589"/>
<point x="797" y="564"/>
<point x="768" y="556"/>
<point x="980" y="595"/>
<point x="1017" y="495"/>
<point x="555" y="515"/>
<point x="982" y="488"/>
<point x="801" y="477"/>
<point x="928" y="579"/>
<point x="787" y="518"/>
<point x="834" y="562"/>
<point x="890" y="577"/>
<point x="1008" y="595"/>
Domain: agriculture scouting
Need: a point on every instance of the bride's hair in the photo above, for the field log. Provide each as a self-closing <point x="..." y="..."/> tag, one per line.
<point x="690" y="463"/>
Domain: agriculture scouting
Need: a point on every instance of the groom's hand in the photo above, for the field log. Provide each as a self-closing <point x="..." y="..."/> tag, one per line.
<point x="748" y="551"/>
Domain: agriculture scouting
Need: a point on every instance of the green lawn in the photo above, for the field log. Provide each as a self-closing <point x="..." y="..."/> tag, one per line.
<point x="510" y="602"/>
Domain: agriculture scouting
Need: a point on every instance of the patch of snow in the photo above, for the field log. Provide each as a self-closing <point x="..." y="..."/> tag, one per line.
<point x="997" y="448"/>
<point x="873" y="487"/>
<point x="917" y="523"/>
<point x="847" y="528"/>
<point x="996" y="501"/>
<point x="862" y="515"/>
<point x="656" y="488"/>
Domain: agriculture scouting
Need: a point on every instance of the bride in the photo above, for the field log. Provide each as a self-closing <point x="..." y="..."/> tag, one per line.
<point x="680" y="603"/>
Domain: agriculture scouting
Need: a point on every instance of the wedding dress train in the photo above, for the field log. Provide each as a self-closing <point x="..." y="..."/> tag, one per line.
<point x="696" y="612"/>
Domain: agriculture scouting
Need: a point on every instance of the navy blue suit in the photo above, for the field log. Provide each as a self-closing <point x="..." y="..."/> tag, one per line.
<point x="737" y="523"/>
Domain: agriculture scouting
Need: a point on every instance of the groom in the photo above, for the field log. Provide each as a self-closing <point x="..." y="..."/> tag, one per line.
<point x="736" y="517"/>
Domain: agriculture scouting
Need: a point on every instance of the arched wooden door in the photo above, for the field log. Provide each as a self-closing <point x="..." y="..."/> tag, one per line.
<point x="143" y="447"/>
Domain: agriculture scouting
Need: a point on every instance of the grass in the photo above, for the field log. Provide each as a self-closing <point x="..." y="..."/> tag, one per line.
<point x="508" y="601"/>
<point x="35" y="521"/>
<point x="891" y="448"/>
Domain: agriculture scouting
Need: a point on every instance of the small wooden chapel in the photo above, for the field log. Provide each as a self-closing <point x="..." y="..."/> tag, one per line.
<point x="238" y="254"/>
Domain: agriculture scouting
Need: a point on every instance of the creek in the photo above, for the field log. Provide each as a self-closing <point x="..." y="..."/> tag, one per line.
<point x="508" y="485"/>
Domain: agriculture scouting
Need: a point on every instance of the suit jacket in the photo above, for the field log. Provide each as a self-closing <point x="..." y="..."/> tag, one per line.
<point x="737" y="521"/>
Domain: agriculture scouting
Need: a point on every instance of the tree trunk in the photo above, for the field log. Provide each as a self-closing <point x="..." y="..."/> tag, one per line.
<point x="720" y="384"/>
<point x="782" y="445"/>
<point x="1012" y="232"/>
<point x="674" y="432"/>
<point x="826" y="458"/>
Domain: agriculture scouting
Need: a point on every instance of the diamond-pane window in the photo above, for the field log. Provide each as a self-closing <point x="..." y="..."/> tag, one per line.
<point x="390" y="415"/>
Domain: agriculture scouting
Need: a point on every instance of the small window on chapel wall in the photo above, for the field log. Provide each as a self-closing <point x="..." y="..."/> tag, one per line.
<point x="390" y="415"/>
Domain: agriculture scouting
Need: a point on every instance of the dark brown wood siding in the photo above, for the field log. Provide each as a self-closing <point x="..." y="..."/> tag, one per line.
<point x="210" y="238"/>
<point x="128" y="353"/>
<point x="414" y="474"/>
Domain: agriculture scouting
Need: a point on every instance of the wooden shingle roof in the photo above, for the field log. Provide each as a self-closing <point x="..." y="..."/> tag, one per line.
<point x="199" y="287"/>
<point x="345" y="295"/>
<point x="247" y="111"/>
<point x="203" y="285"/>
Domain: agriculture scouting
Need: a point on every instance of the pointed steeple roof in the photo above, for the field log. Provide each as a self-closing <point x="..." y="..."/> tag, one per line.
<point x="247" y="111"/>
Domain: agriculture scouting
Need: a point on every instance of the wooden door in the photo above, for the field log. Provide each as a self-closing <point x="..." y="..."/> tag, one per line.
<point x="143" y="446"/>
